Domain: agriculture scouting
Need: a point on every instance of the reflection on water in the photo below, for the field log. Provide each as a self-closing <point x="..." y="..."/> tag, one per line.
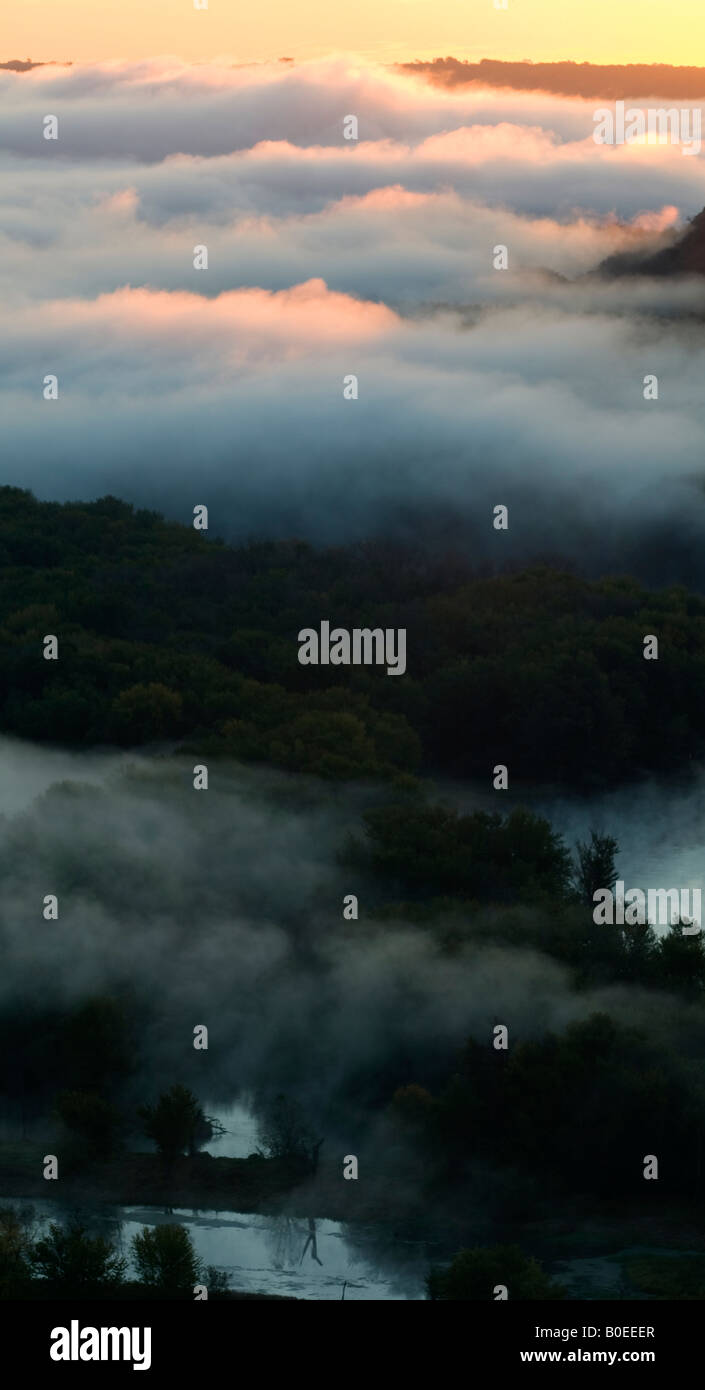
<point x="240" y="1137"/>
<point x="273" y="1254"/>
<point x="311" y="1240"/>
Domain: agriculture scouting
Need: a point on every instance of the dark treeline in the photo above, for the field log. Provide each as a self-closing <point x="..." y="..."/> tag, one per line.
<point x="612" y="81"/>
<point x="434" y="866"/>
<point x="571" y="1112"/>
<point x="69" y="1263"/>
<point x="168" y="636"/>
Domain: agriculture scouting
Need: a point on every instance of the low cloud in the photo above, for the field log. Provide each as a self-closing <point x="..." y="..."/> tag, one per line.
<point x="329" y="259"/>
<point x="237" y="401"/>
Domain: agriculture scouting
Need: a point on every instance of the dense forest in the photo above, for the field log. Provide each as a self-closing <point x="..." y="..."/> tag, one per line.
<point x="168" y="636"/>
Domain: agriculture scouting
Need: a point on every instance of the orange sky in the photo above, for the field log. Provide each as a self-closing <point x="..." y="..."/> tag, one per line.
<point x="616" y="31"/>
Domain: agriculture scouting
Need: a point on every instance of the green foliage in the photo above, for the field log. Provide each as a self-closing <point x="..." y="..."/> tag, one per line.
<point x="216" y="1281"/>
<point x="667" y="1276"/>
<point x="77" y="1264"/>
<point x="174" y="1123"/>
<point x="432" y="850"/>
<point x="144" y="712"/>
<point x="474" y="1274"/>
<point x="165" y="1259"/>
<point x="166" y="634"/>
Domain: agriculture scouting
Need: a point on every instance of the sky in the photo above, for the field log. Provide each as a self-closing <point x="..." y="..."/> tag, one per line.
<point x="599" y="31"/>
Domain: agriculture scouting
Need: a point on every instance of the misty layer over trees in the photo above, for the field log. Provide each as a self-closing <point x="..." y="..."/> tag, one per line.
<point x="396" y="963"/>
<point x="180" y="908"/>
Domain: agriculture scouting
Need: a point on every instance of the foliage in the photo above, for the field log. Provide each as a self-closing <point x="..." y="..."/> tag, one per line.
<point x="165" y="1259"/>
<point x="166" y="634"/>
<point x="285" y="1134"/>
<point x="475" y="1274"/>
<point x="174" y="1123"/>
<point x="432" y="850"/>
<point x="559" y="1106"/>
<point x="596" y="866"/>
<point x="79" y="1263"/>
<point x="667" y="1276"/>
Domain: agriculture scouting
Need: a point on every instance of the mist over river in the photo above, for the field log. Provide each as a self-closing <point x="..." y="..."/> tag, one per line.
<point x="297" y="999"/>
<point x="271" y="1254"/>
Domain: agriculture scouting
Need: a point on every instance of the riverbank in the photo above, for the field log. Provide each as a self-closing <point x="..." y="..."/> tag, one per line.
<point x="253" y="1184"/>
<point x="42" y="1291"/>
<point x="556" y="1230"/>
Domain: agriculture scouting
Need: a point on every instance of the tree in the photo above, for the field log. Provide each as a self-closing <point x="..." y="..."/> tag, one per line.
<point x="596" y="867"/>
<point x="475" y="1274"/>
<point x="174" y="1123"/>
<point x="166" y="1260"/>
<point x="679" y="961"/>
<point x="432" y="850"/>
<point x="78" y="1263"/>
<point x="147" y="711"/>
<point x="284" y="1134"/>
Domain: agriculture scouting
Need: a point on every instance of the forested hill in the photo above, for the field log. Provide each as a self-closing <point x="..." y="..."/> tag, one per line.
<point x="165" y="634"/>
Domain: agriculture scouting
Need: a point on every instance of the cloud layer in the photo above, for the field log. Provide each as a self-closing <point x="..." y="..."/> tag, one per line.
<point x="328" y="258"/>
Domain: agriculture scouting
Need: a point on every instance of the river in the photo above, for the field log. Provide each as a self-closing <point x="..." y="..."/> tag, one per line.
<point x="660" y="827"/>
<point x="322" y="1260"/>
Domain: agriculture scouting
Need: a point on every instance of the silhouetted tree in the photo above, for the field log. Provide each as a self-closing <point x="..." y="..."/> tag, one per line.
<point x="285" y="1134"/>
<point x="596" y="865"/>
<point x="77" y="1263"/>
<point x="165" y="1259"/>
<point x="174" y="1122"/>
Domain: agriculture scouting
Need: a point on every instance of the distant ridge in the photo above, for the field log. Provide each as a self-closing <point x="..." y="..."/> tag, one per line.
<point x="686" y="256"/>
<point x="17" y="65"/>
<point x="609" y="82"/>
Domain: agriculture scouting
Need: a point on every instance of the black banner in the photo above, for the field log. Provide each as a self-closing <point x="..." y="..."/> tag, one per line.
<point x="162" y="1338"/>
